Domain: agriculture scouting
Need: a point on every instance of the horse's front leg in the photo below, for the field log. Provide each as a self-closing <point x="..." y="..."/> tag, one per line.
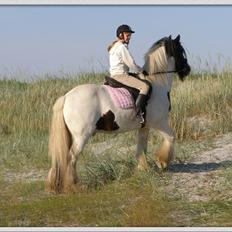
<point x="142" y="148"/>
<point x="164" y="155"/>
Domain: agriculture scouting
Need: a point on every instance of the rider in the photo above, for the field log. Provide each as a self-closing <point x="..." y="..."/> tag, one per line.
<point x="121" y="61"/>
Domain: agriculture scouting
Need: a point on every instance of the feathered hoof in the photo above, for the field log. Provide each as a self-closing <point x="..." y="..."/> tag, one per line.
<point x="142" y="163"/>
<point x="74" y="188"/>
<point x="50" y="183"/>
<point x="71" y="189"/>
<point x="66" y="185"/>
<point x="162" y="165"/>
<point x="143" y="167"/>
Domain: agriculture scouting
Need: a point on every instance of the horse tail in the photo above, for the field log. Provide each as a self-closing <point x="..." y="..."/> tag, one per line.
<point x="59" y="146"/>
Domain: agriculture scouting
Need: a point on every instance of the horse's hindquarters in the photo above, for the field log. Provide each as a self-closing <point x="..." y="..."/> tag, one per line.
<point x="82" y="109"/>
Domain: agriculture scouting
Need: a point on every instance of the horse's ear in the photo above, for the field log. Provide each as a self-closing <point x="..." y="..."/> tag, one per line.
<point x="170" y="37"/>
<point x="177" y="39"/>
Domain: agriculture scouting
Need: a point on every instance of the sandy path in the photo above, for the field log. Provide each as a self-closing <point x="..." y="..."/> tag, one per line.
<point x="205" y="176"/>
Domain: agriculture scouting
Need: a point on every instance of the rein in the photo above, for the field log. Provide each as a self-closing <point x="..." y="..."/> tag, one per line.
<point x="157" y="73"/>
<point x="164" y="72"/>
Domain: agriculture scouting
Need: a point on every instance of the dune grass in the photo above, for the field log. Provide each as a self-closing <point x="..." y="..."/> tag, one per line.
<point x="113" y="194"/>
<point x="205" y="96"/>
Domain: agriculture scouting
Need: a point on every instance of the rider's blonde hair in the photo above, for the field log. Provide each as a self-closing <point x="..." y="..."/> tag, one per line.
<point x="111" y="45"/>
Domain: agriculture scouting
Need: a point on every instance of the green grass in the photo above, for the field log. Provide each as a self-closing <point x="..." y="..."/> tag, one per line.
<point x="18" y="152"/>
<point x="130" y="202"/>
<point x="135" y="201"/>
<point x="212" y="213"/>
<point x="114" y="194"/>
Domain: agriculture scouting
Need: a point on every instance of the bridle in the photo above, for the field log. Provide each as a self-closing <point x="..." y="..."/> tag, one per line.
<point x="164" y="72"/>
<point x="170" y="48"/>
<point x="171" y="51"/>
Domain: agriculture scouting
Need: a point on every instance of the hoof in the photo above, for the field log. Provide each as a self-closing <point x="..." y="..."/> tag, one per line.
<point x="161" y="164"/>
<point x="142" y="164"/>
<point x="74" y="188"/>
<point x="142" y="167"/>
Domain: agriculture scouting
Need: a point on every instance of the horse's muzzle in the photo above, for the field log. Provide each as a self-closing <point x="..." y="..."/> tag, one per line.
<point x="184" y="71"/>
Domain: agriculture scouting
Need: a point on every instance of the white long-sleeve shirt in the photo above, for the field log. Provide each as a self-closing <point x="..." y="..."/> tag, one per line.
<point x="121" y="61"/>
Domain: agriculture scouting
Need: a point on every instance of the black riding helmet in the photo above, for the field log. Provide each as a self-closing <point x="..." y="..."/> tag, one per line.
<point x="123" y="28"/>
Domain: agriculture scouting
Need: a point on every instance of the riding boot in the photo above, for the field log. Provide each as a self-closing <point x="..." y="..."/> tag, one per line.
<point x="139" y="106"/>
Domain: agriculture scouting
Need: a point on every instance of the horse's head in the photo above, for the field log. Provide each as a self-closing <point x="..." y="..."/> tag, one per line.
<point x="158" y="56"/>
<point x="174" y="49"/>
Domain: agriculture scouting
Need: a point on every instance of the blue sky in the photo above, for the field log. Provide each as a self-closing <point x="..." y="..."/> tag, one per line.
<point x="56" y="39"/>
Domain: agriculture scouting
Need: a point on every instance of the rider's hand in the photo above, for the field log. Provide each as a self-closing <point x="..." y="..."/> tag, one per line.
<point x="145" y="73"/>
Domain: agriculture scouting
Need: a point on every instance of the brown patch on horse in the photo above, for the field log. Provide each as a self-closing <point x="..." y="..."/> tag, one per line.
<point x="106" y="122"/>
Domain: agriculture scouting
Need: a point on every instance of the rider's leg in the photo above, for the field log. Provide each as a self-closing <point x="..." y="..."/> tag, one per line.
<point x="132" y="82"/>
<point x="137" y="84"/>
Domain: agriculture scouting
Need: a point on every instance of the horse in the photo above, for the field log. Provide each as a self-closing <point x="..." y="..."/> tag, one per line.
<point x="88" y="109"/>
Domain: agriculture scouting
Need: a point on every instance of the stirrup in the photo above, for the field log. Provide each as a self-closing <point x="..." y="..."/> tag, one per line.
<point x="142" y="120"/>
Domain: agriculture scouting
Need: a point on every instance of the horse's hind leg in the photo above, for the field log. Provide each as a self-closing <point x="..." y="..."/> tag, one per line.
<point x="142" y="148"/>
<point x="71" y="179"/>
<point x="165" y="154"/>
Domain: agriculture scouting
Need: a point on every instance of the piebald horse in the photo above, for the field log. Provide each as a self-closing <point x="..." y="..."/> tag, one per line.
<point x="88" y="109"/>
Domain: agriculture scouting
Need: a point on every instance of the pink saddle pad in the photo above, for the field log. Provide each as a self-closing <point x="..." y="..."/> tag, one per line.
<point x="121" y="97"/>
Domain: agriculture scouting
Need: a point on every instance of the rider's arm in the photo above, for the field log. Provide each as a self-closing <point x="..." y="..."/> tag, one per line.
<point x="129" y="60"/>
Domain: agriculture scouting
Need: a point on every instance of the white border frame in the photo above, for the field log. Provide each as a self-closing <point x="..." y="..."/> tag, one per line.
<point x="116" y="2"/>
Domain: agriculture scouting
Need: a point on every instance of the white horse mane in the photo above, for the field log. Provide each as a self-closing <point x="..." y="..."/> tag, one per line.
<point x="156" y="59"/>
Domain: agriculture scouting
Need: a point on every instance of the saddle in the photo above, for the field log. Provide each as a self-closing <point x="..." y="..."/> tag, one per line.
<point x="133" y="92"/>
<point x="121" y="97"/>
